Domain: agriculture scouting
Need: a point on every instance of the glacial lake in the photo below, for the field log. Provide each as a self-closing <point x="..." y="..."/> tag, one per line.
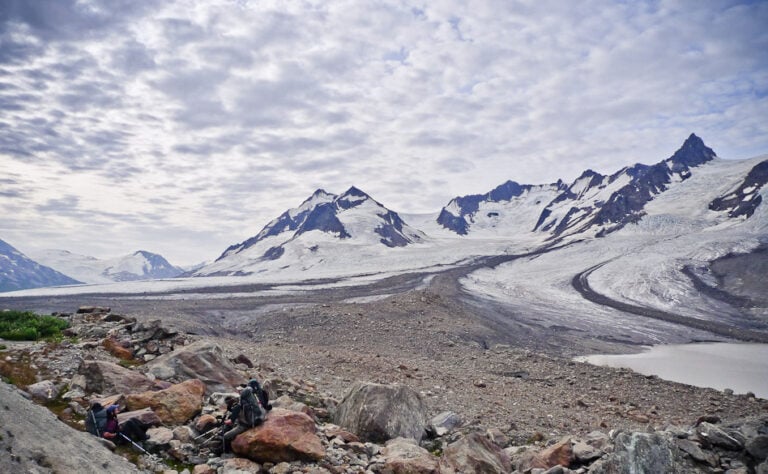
<point x="719" y="365"/>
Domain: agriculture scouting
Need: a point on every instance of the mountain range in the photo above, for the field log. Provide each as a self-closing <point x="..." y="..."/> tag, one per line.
<point x="327" y="232"/>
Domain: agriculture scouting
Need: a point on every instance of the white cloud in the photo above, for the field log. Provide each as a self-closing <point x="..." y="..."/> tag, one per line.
<point x="207" y="119"/>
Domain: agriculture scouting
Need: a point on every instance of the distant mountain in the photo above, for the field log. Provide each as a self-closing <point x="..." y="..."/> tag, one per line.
<point x="19" y="272"/>
<point x="140" y="265"/>
<point x="593" y="205"/>
<point x="323" y="220"/>
<point x="516" y="205"/>
<point x="746" y="197"/>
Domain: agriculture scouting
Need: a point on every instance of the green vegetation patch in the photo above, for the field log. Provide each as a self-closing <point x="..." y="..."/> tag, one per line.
<point x="28" y="326"/>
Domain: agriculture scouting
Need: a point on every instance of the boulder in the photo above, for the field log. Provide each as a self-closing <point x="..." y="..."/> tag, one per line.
<point x="284" y="436"/>
<point x="715" y="436"/>
<point x="377" y="413"/>
<point x="108" y="378"/>
<point x="206" y="423"/>
<point x="559" y="454"/>
<point x="286" y="403"/>
<point x="443" y="423"/>
<point x="696" y="453"/>
<point x="202" y="360"/>
<point x="583" y="453"/>
<point x="757" y="447"/>
<point x="159" y="438"/>
<point x="643" y="452"/>
<point x="405" y="456"/>
<point x="474" y="453"/>
<point x="174" y="405"/>
<point x="44" y="391"/>
<point x="183" y="434"/>
<point x="146" y="416"/>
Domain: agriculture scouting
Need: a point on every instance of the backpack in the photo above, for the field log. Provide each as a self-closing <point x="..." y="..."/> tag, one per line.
<point x="96" y="420"/>
<point x="252" y="413"/>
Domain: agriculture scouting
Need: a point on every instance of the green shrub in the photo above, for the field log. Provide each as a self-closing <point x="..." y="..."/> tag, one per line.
<point x="28" y="326"/>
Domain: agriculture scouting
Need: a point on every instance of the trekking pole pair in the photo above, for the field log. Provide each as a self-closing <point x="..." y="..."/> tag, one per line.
<point x="210" y="434"/>
<point x="144" y="451"/>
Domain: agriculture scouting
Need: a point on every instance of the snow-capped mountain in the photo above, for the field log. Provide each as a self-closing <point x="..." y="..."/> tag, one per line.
<point x="324" y="220"/>
<point x="18" y="272"/>
<point x="512" y="206"/>
<point x="140" y="265"/>
<point x="593" y="205"/>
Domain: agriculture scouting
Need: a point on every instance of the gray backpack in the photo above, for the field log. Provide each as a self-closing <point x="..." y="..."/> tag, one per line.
<point x="251" y="412"/>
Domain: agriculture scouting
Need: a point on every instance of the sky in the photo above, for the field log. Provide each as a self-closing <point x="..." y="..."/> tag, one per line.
<point x="183" y="127"/>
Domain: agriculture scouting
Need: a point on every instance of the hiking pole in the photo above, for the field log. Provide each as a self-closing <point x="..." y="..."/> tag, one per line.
<point x="208" y="433"/>
<point x="134" y="444"/>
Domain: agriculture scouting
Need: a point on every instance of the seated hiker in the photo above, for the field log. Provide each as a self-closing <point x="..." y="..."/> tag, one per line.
<point x="133" y="429"/>
<point x="249" y="412"/>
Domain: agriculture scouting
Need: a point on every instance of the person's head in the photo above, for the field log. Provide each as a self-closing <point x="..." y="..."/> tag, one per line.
<point x="96" y="407"/>
<point x="230" y="401"/>
<point x="113" y="410"/>
<point x="254" y="384"/>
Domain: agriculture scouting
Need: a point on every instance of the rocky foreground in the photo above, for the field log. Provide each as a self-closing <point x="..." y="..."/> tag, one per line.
<point x="423" y="401"/>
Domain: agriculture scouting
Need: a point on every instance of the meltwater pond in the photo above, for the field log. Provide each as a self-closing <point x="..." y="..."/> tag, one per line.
<point x="740" y="367"/>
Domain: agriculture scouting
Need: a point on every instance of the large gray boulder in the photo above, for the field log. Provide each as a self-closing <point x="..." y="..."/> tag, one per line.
<point x="643" y="452"/>
<point x="202" y="360"/>
<point x="107" y="378"/>
<point x="377" y="413"/>
<point x="33" y="440"/>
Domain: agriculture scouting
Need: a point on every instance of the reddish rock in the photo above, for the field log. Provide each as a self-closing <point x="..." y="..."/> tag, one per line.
<point x="114" y="348"/>
<point x="174" y="405"/>
<point x="474" y="453"/>
<point x="284" y="436"/>
<point x="205" y="423"/>
<point x="344" y="435"/>
<point x="560" y="454"/>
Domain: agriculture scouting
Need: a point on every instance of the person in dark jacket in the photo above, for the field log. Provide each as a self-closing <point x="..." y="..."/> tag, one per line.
<point x="133" y="428"/>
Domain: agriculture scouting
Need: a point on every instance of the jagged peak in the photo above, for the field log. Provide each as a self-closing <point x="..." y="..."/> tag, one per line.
<point x="354" y="191"/>
<point x="693" y="152"/>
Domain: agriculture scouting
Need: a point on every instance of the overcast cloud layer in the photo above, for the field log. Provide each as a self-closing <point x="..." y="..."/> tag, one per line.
<point x="183" y="127"/>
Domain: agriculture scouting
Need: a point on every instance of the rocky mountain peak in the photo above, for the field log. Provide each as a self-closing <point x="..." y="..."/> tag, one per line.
<point x="693" y="152"/>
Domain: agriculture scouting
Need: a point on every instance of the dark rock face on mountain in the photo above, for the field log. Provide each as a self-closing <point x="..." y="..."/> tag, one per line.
<point x="18" y="272"/>
<point x="460" y="213"/>
<point x="745" y="199"/>
<point x="320" y="212"/>
<point x="593" y="201"/>
<point x="625" y="204"/>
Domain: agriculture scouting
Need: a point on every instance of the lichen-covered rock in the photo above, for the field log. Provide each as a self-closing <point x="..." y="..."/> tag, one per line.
<point x="108" y="378"/>
<point x="643" y="452"/>
<point x="377" y="413"/>
<point x="44" y="391"/>
<point x="202" y="360"/>
<point x="284" y="436"/>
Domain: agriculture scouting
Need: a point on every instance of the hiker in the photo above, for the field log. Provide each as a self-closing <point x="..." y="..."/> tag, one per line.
<point x="96" y="419"/>
<point x="133" y="428"/>
<point x="249" y="412"/>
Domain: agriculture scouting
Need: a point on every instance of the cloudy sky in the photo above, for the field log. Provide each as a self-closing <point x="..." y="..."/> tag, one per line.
<point x="181" y="127"/>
